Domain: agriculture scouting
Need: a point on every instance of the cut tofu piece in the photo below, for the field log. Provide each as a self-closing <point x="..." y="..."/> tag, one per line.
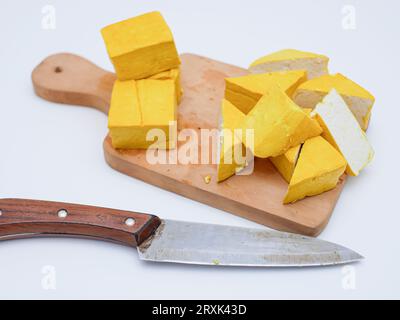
<point x="290" y="59"/>
<point x="141" y="47"/>
<point x="175" y="75"/>
<point x="318" y="169"/>
<point x="230" y="144"/>
<point x="278" y="124"/>
<point x="138" y="107"/>
<point x="359" y="100"/>
<point x="244" y="92"/>
<point x="343" y="131"/>
<point x="286" y="163"/>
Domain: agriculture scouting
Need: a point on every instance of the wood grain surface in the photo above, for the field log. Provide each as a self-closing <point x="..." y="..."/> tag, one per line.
<point x="23" y="218"/>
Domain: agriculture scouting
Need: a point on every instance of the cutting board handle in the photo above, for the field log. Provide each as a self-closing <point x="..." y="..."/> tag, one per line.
<point x="21" y="218"/>
<point x="70" y="79"/>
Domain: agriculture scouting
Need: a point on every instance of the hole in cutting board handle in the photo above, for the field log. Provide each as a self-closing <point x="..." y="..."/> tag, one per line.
<point x="58" y="70"/>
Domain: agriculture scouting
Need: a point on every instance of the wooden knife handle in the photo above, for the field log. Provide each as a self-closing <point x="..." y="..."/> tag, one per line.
<point x="71" y="79"/>
<point x="21" y="218"/>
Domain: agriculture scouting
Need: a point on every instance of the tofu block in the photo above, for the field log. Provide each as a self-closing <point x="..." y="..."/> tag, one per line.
<point x="343" y="131"/>
<point x="138" y="107"/>
<point x="141" y="47"/>
<point x="290" y="59"/>
<point x="230" y="144"/>
<point x="245" y="92"/>
<point x="175" y="75"/>
<point x="360" y="101"/>
<point x="318" y="169"/>
<point x="278" y="124"/>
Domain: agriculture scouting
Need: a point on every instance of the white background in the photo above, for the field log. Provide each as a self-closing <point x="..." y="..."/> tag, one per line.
<point x="54" y="152"/>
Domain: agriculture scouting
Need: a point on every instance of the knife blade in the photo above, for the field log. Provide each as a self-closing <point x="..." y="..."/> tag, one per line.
<point x="168" y="240"/>
<point x="208" y="244"/>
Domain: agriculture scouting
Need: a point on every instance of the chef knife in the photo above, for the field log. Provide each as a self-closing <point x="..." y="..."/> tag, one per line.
<point x="168" y="240"/>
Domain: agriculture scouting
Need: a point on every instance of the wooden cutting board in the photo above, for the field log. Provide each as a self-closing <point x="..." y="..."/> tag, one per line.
<point x="70" y="79"/>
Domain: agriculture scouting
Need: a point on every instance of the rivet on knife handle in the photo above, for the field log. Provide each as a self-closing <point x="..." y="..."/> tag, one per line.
<point x="21" y="218"/>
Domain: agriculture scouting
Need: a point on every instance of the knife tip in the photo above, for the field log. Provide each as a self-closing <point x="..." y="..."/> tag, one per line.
<point x="356" y="257"/>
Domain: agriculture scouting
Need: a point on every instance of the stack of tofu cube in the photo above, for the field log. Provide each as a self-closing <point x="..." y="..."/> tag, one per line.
<point x="147" y="92"/>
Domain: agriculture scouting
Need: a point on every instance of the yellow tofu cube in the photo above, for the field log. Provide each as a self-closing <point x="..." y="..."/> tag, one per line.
<point x="278" y="124"/>
<point x="291" y="59"/>
<point x="318" y="169"/>
<point x="141" y="47"/>
<point x="359" y="100"/>
<point x="231" y="148"/>
<point x="137" y="107"/>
